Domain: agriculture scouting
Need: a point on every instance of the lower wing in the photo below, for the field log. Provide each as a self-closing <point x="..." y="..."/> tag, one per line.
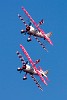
<point x="40" y="43"/>
<point x="38" y="85"/>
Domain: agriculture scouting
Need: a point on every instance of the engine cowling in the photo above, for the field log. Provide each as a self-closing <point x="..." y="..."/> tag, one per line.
<point x="27" y="28"/>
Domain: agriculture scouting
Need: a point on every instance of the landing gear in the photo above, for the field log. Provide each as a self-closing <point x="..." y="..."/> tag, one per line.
<point x="29" y="39"/>
<point x="24" y="78"/>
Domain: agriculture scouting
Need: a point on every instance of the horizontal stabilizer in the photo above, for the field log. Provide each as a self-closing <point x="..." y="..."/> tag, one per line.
<point x="41" y="22"/>
<point x="37" y="61"/>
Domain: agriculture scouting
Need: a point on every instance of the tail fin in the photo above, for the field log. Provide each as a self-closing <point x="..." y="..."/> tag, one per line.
<point x="49" y="34"/>
<point x="46" y="72"/>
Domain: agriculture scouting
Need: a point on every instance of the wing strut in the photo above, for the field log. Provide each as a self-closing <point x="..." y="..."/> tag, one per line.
<point x="32" y="63"/>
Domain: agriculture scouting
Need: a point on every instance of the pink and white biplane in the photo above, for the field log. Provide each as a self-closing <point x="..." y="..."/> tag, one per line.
<point x="31" y="70"/>
<point x="36" y="32"/>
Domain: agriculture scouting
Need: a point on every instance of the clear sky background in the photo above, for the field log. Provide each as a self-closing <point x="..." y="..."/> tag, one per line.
<point x="54" y="13"/>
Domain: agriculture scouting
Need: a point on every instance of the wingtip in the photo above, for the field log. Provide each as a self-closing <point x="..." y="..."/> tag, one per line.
<point x="17" y="52"/>
<point x="51" y="43"/>
<point x="22" y="7"/>
<point x="20" y="45"/>
<point x="46" y="83"/>
<point x="46" y="50"/>
<point x="18" y="14"/>
<point x="41" y="89"/>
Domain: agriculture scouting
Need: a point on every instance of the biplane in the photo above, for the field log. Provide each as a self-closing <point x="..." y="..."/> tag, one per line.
<point x="31" y="70"/>
<point x="35" y="31"/>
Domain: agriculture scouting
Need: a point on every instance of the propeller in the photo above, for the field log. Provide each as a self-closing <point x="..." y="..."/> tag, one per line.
<point x="27" y="28"/>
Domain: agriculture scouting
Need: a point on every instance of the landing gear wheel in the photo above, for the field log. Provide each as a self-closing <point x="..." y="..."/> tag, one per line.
<point x="24" y="78"/>
<point x="29" y="39"/>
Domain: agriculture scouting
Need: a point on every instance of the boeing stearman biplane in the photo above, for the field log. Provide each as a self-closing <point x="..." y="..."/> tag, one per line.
<point x="36" y="32"/>
<point x="31" y="70"/>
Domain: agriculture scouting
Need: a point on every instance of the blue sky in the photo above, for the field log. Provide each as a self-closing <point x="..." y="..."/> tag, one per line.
<point x="54" y="13"/>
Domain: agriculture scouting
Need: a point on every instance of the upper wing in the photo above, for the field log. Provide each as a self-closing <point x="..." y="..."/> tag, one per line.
<point x="39" y="29"/>
<point x="21" y="58"/>
<point x="38" y="85"/>
<point x="32" y="63"/>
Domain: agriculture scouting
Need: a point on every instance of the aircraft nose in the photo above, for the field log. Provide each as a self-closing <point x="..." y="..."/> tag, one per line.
<point x="27" y="28"/>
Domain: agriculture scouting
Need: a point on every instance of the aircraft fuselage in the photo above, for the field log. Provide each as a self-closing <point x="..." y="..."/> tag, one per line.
<point x="29" y="70"/>
<point x="35" y="32"/>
